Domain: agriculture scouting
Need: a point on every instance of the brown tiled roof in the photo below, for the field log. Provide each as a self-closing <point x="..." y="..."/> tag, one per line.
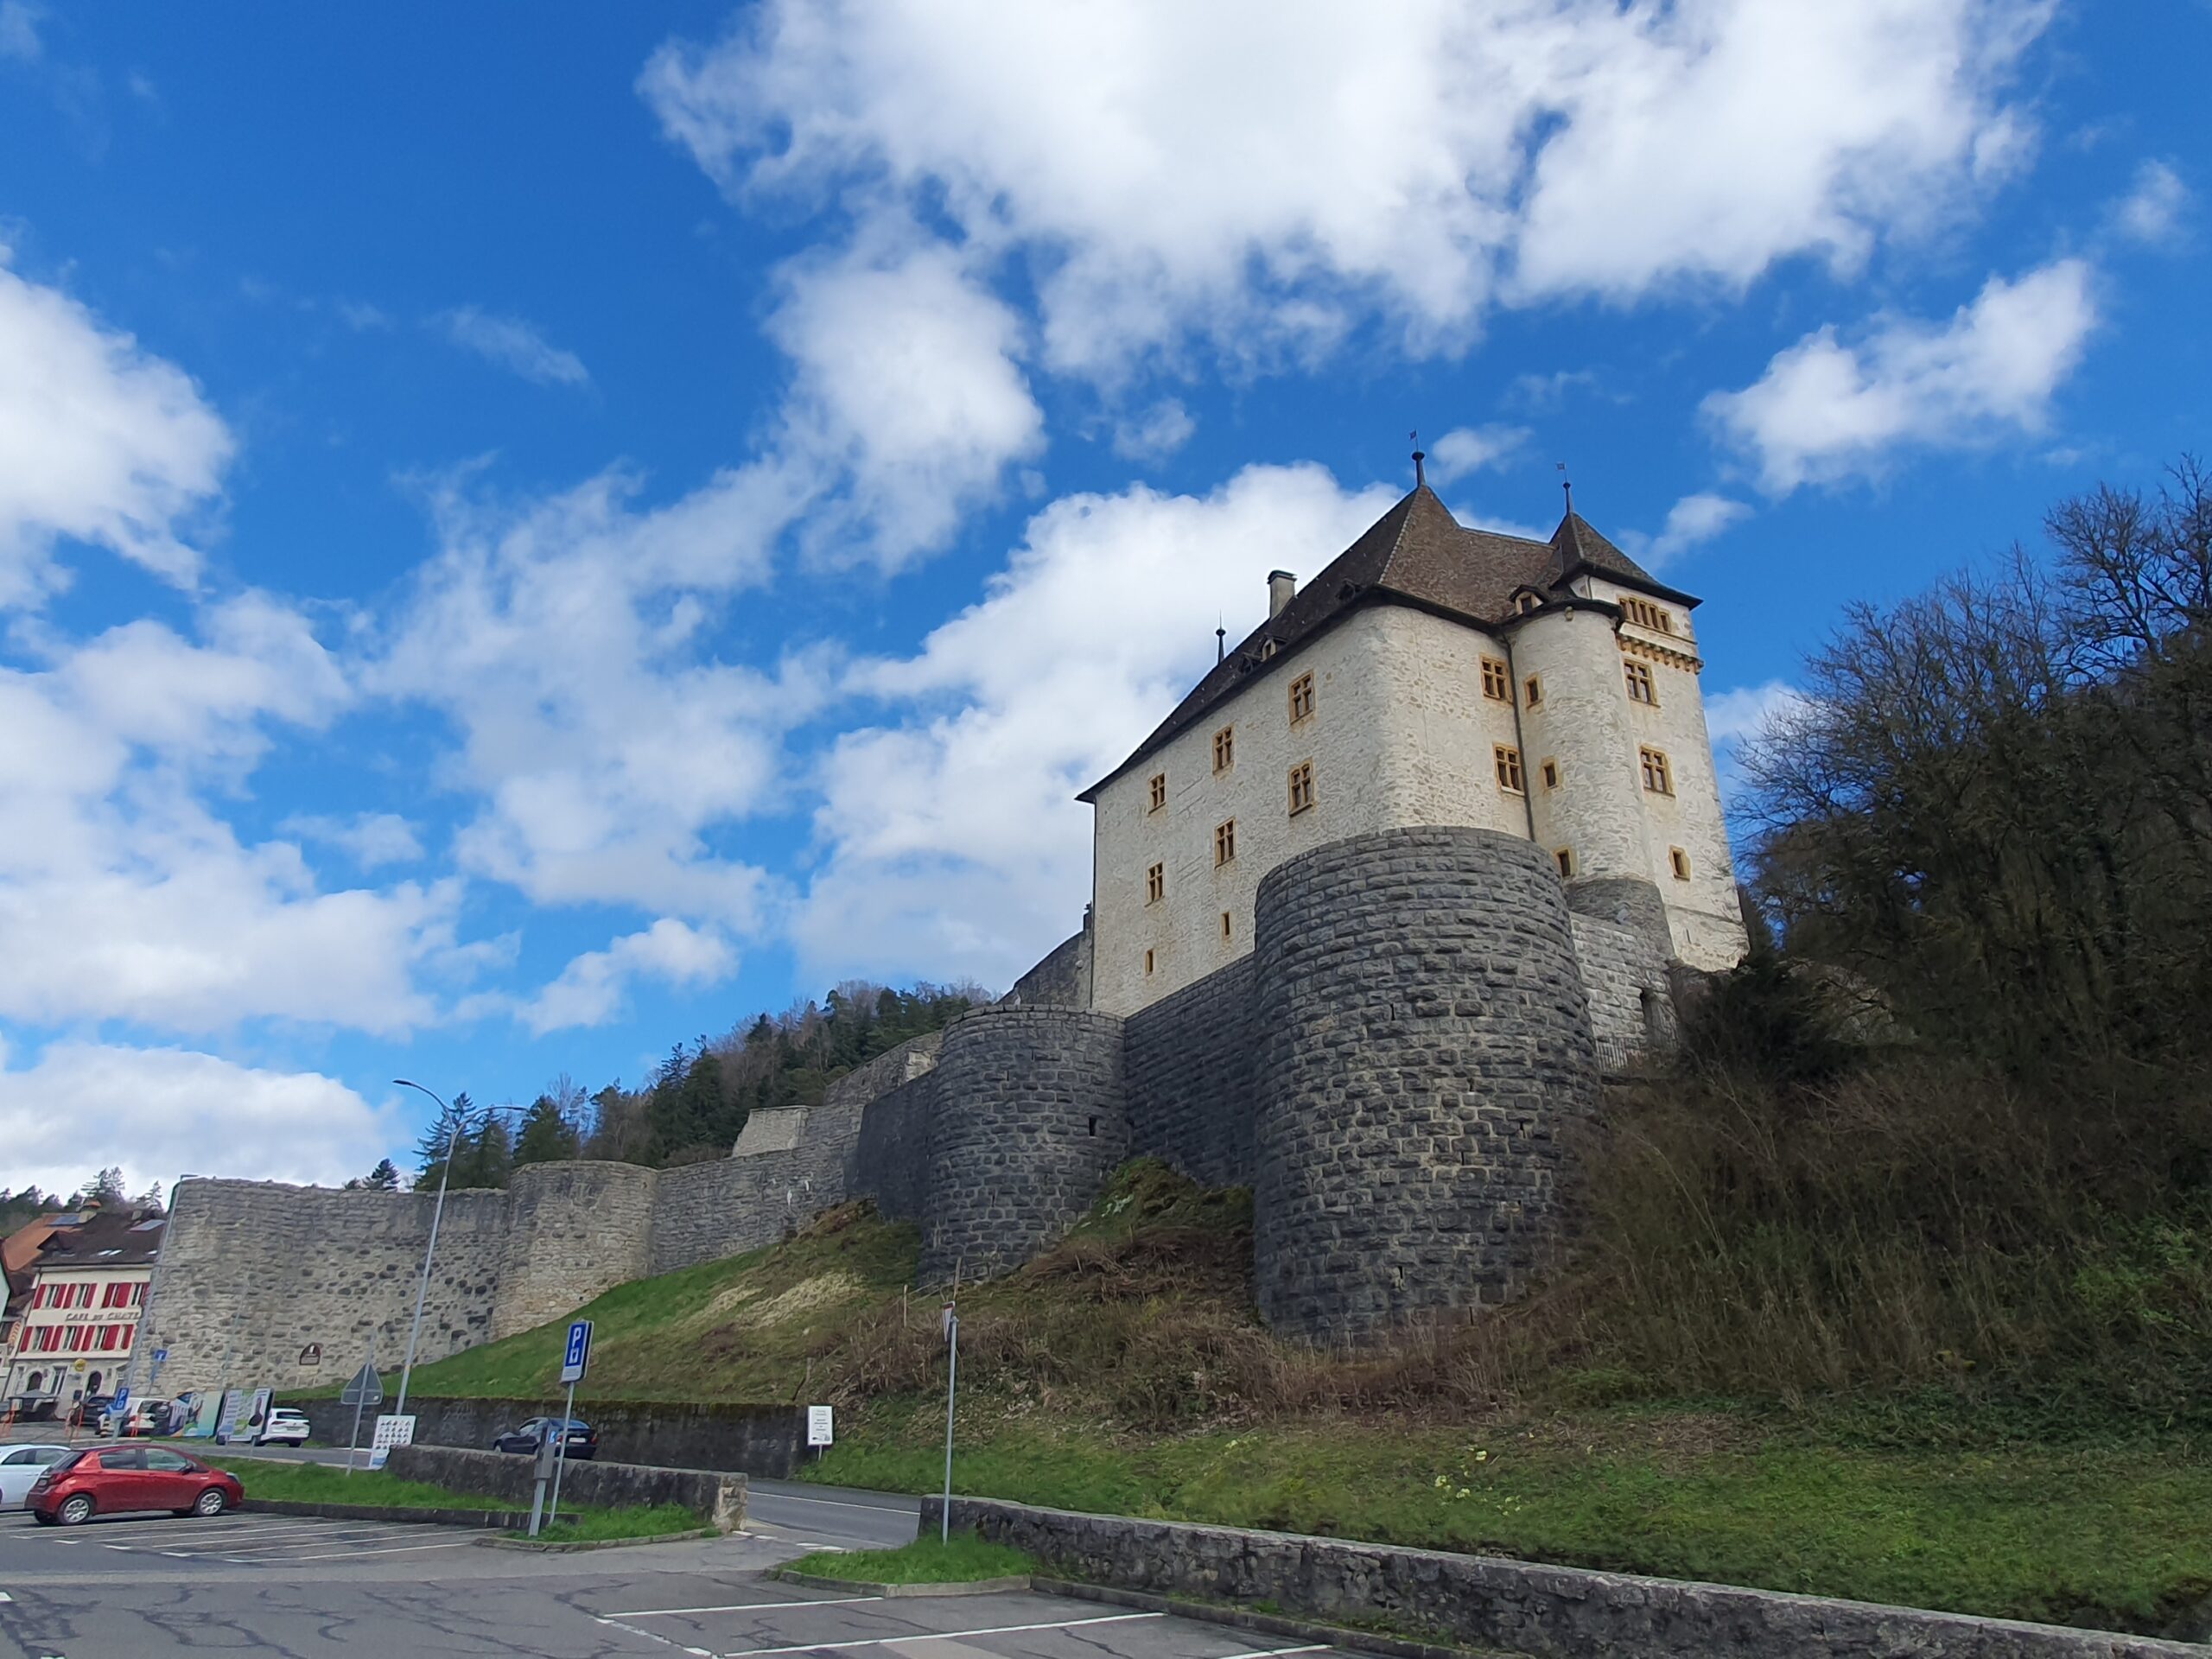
<point x="136" y="1242"/>
<point x="1416" y="554"/>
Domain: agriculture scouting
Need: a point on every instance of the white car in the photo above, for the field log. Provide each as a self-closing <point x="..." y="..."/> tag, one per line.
<point x="285" y="1428"/>
<point x="21" y="1467"/>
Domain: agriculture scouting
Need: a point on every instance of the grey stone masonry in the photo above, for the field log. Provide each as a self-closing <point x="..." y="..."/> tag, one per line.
<point x="716" y="1498"/>
<point x="1632" y="1002"/>
<point x="573" y="1231"/>
<point x="1424" y="1041"/>
<point x="1521" y="1607"/>
<point x="1062" y="979"/>
<point x="766" y="1440"/>
<point x="1188" y="1067"/>
<point x="1028" y="1120"/>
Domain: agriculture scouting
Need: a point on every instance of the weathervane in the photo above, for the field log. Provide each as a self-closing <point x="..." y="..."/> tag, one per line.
<point x="1419" y="477"/>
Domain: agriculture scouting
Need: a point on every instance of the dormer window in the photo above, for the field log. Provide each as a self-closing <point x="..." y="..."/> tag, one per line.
<point x="1525" y="603"/>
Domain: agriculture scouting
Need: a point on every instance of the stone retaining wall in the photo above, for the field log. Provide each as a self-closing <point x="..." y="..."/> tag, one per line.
<point x="1188" y="1074"/>
<point x="766" y="1440"/>
<point x="1547" y="1612"/>
<point x="716" y="1498"/>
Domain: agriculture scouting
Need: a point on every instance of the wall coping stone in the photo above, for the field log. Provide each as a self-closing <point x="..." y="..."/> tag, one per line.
<point x="1527" y="1607"/>
<point x="408" y="1512"/>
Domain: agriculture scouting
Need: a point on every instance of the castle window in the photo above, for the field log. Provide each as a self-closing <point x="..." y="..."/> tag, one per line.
<point x="1551" y="774"/>
<point x="1640" y="688"/>
<point x="1532" y="690"/>
<point x="1646" y="615"/>
<point x="1224" y="927"/>
<point x="1525" y="603"/>
<point x="1266" y="649"/>
<point x="1497" y="681"/>
<point x="1509" y="770"/>
<point x="1656" y="778"/>
<point x="1564" y="857"/>
<point x="1301" y="787"/>
<point x="1224" y="748"/>
<point x="1225" y="843"/>
<point x="1301" y="698"/>
<point x="1159" y="790"/>
<point x="1148" y="961"/>
<point x="1680" y="862"/>
<point x="1155" y="884"/>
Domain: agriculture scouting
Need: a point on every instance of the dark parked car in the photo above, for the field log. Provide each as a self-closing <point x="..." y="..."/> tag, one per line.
<point x="583" y="1444"/>
<point x="116" y="1479"/>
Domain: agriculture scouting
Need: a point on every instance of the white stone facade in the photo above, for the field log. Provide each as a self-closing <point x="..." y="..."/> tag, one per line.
<point x="1402" y="735"/>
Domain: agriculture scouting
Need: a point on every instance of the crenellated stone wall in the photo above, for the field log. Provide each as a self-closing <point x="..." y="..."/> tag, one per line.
<point x="1393" y="1068"/>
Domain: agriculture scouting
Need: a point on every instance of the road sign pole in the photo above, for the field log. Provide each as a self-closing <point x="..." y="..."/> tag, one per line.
<point x="951" y="1391"/>
<point x="561" y="1458"/>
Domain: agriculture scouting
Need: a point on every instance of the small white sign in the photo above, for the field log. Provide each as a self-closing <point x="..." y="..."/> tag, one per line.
<point x="391" y="1430"/>
<point x="819" y="1430"/>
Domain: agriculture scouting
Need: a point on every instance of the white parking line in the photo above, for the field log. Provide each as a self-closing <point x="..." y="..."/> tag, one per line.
<point x="943" y="1636"/>
<point x="349" y="1554"/>
<point x="742" y="1607"/>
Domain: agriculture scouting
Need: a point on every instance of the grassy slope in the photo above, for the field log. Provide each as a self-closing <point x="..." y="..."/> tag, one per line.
<point x="1126" y="1372"/>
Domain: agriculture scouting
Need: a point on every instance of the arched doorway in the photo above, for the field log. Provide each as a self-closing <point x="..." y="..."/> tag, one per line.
<point x="92" y="1383"/>
<point x="36" y="1377"/>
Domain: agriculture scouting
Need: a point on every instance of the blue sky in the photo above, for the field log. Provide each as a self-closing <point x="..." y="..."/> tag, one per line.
<point x="527" y="534"/>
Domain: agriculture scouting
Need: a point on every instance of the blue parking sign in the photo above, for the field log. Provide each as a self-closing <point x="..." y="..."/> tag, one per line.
<point x="578" y="1352"/>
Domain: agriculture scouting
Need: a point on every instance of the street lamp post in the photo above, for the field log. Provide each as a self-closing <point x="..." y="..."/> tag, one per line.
<point x="437" y="1214"/>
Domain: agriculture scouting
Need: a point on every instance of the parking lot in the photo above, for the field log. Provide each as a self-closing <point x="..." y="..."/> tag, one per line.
<point x="239" y="1539"/>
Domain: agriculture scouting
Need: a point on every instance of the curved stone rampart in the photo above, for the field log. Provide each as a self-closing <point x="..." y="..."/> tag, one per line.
<point x="1424" y="1039"/>
<point x="1027" y="1119"/>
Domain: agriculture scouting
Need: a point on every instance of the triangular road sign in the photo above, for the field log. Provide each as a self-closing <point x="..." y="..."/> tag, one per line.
<point x="365" y="1389"/>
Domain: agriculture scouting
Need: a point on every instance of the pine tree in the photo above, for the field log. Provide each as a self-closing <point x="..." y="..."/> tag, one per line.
<point x="547" y="1136"/>
<point x="107" y="1188"/>
<point x="384" y="1178"/>
<point x="431" y="1148"/>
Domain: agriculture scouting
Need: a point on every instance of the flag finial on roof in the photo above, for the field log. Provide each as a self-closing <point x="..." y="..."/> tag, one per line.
<point x="1419" y="477"/>
<point x="1567" y="484"/>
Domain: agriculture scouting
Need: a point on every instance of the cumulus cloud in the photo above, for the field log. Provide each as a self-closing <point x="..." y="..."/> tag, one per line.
<point x="100" y="442"/>
<point x="122" y="897"/>
<point x="1167" y="172"/>
<point x="1470" y="448"/>
<point x="1156" y="433"/>
<point x="514" y="345"/>
<point x="1736" y="716"/>
<point x="951" y="839"/>
<point x="591" y="988"/>
<point x="172" y="1111"/>
<point x="1827" y="409"/>
<point x="1694" y="519"/>
<point x="370" y="839"/>
<point x="2151" y="211"/>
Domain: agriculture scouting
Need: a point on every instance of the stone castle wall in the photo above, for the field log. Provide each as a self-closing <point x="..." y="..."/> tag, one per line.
<point x="1392" y="1069"/>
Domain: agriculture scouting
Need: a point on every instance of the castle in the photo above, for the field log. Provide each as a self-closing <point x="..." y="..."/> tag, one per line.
<point x="1373" y="910"/>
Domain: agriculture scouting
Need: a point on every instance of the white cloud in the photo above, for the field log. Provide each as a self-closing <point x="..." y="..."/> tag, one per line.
<point x="1691" y="521"/>
<point x="99" y="440"/>
<point x="122" y="897"/>
<point x="953" y="842"/>
<point x="591" y="988"/>
<point x="1735" y="715"/>
<point x="610" y="751"/>
<point x="1156" y="433"/>
<point x="370" y="839"/>
<point x="19" y="31"/>
<point x="1825" y="410"/>
<point x="513" y="345"/>
<point x="1261" y="178"/>
<point x="165" y="1112"/>
<point x="907" y="380"/>
<point x="2151" y="211"/>
<point x="1470" y="448"/>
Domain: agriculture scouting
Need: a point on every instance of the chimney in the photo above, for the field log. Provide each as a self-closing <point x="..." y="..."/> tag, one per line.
<point x="1281" y="586"/>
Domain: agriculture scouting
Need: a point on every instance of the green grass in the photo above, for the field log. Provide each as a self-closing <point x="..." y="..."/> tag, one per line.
<point x="963" y="1559"/>
<point x="593" y="1526"/>
<point x="308" y="1483"/>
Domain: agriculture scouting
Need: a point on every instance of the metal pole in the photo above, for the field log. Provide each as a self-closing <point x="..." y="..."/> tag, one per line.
<point x="367" y="1359"/>
<point x="561" y="1458"/>
<point x="951" y="1388"/>
<point x="437" y="1214"/>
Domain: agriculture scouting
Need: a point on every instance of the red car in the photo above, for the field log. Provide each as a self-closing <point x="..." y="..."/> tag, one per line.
<point x="115" y="1479"/>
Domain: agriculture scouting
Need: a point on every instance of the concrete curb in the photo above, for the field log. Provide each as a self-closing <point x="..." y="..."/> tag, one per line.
<point x="893" y="1592"/>
<point x="1243" y="1618"/>
<point x="560" y="1547"/>
<point x="495" y="1518"/>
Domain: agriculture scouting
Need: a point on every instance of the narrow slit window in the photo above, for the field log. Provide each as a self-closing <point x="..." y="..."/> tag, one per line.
<point x="1301" y="698"/>
<point x="1680" y="862"/>
<point x="1148" y="961"/>
<point x="1225" y="843"/>
<point x="1551" y="774"/>
<point x="1646" y="615"/>
<point x="1224" y="927"/>
<point x="1497" y="681"/>
<point x="1155" y="884"/>
<point x="1640" y="686"/>
<point x="1159" y="790"/>
<point x="1657" y="777"/>
<point x="1564" y="857"/>
<point x="1224" y="748"/>
<point x="1509" y="770"/>
<point x="1301" y="787"/>
<point x="1532" y="691"/>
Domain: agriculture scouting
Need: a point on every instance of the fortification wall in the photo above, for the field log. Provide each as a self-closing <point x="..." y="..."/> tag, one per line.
<point x="1062" y="979"/>
<point x="573" y="1230"/>
<point x="262" y="1270"/>
<point x="1631" y="1007"/>
<point x="1029" y="1119"/>
<point x="891" y="1162"/>
<point x="1187" y="1071"/>
<point x="1424" y="1038"/>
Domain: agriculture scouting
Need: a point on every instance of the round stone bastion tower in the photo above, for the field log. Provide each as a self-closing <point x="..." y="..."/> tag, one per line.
<point x="1029" y="1122"/>
<point x="1424" y="1047"/>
